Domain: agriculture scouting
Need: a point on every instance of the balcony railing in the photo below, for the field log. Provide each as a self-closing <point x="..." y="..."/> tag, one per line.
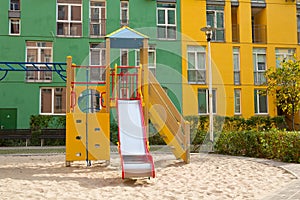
<point x="235" y="33"/>
<point x="259" y="33"/>
<point x="259" y="78"/>
<point x="237" y="78"/>
<point x="258" y="3"/>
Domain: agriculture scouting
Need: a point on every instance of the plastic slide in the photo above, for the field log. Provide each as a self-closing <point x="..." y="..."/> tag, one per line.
<point x="136" y="160"/>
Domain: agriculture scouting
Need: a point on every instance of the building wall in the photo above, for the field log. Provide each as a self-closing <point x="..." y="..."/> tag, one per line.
<point x="38" y="23"/>
<point x="281" y="33"/>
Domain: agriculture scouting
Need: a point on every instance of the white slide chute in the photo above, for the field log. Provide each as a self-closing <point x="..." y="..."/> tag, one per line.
<point x="133" y="147"/>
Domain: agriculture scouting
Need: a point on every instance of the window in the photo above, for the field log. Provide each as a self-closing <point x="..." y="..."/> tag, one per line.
<point x="137" y="57"/>
<point x="196" y="64"/>
<point x="14" y="4"/>
<point x="151" y="59"/>
<point x="260" y="102"/>
<point x="38" y="52"/>
<point x="203" y="101"/>
<point x="69" y="18"/>
<point x="97" y="18"/>
<point x="53" y="100"/>
<point x="14" y="26"/>
<point x="124" y="13"/>
<point x="97" y="58"/>
<point x="259" y="62"/>
<point x="237" y="101"/>
<point x="166" y="21"/>
<point x="215" y="19"/>
<point x="283" y="55"/>
<point x="236" y="66"/>
<point x="124" y="57"/>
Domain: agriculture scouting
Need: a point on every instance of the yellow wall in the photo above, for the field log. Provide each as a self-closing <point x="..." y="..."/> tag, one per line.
<point x="279" y="17"/>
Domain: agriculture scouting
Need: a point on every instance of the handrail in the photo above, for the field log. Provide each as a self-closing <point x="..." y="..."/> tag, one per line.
<point x="175" y="122"/>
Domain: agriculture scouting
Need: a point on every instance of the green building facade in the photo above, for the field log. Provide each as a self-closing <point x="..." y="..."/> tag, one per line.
<point x="49" y="31"/>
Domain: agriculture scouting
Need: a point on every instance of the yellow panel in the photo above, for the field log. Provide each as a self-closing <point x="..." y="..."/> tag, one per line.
<point x="98" y="137"/>
<point x="98" y="145"/>
<point x="75" y="137"/>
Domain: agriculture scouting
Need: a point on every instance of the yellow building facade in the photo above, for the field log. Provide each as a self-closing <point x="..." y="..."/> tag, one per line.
<point x="249" y="37"/>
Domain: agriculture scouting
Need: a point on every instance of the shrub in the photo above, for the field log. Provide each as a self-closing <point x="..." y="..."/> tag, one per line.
<point x="39" y="122"/>
<point x="274" y="144"/>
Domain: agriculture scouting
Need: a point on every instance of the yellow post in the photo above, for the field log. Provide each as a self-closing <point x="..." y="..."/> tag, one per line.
<point x="140" y="84"/>
<point x="107" y="78"/>
<point x="69" y="85"/>
<point x="145" y="89"/>
<point x="115" y="82"/>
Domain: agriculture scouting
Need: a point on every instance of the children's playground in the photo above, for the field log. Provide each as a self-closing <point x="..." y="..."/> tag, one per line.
<point x="131" y="93"/>
<point x="134" y="93"/>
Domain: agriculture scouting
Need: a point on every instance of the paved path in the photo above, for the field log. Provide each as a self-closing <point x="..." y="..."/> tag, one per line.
<point x="290" y="191"/>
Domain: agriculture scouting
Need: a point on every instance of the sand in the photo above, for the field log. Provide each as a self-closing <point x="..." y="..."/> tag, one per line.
<point x="206" y="177"/>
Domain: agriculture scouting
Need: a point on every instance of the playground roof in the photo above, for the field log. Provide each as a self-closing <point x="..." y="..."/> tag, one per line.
<point x="126" y="38"/>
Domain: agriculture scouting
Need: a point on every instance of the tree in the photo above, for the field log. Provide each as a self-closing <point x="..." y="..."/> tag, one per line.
<point x="284" y="83"/>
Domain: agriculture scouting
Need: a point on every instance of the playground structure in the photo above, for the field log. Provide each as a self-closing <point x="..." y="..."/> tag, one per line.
<point x="135" y="94"/>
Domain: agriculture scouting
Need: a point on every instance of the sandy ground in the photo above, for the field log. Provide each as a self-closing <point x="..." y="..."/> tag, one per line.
<point x="206" y="177"/>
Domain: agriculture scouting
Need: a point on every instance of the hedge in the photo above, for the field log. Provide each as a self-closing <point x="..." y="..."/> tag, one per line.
<point x="279" y="145"/>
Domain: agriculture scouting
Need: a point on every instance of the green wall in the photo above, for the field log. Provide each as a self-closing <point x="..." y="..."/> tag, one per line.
<point x="16" y="93"/>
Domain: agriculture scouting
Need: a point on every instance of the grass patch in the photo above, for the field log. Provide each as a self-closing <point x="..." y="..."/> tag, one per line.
<point x="31" y="150"/>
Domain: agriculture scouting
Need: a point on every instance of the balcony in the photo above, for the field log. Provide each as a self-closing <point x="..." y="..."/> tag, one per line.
<point x="216" y="2"/>
<point x="258" y="3"/>
<point x="14" y="13"/>
<point x="259" y="33"/>
<point x="235" y="33"/>
<point x="234" y="3"/>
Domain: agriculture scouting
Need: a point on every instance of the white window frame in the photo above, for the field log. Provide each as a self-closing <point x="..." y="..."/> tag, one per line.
<point x="199" y="68"/>
<point x="39" y="48"/>
<point x="237" y="101"/>
<point x="10" y="24"/>
<point x="102" y="61"/>
<point x="69" y="21"/>
<point x="214" y="100"/>
<point x="152" y="66"/>
<point x="13" y="6"/>
<point x="259" y="77"/>
<point x="137" y="57"/>
<point x="125" y="21"/>
<point x="52" y="101"/>
<point x="166" y="25"/>
<point x="257" y="103"/>
<point x="236" y="66"/>
<point x="282" y="54"/>
<point x="100" y="22"/>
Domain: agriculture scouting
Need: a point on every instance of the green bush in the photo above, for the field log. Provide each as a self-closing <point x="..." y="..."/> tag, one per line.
<point x="274" y="144"/>
<point x="39" y="122"/>
<point x="114" y="133"/>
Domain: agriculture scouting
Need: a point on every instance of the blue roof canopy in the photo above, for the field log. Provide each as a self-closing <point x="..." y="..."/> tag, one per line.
<point x="126" y="38"/>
